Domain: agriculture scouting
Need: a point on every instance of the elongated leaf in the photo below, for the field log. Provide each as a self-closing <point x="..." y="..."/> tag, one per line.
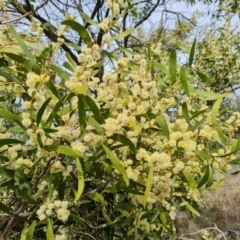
<point x="80" y="179"/>
<point x="211" y="95"/>
<point x="191" y="57"/>
<point x="191" y="209"/>
<point x="125" y="94"/>
<point x="88" y="19"/>
<point x="126" y="51"/>
<point x="222" y="137"/>
<point x="73" y="45"/>
<point x="124" y="140"/>
<point x="68" y="66"/>
<point x="173" y="66"/>
<point x="8" y="115"/>
<point x="41" y="111"/>
<point x="116" y="163"/>
<point x="82" y="113"/>
<point x="192" y="184"/>
<point x="22" y="44"/>
<point x="26" y="197"/>
<point x="162" y="216"/>
<point x="235" y="161"/>
<point x="204" y="77"/>
<point x="205" y="178"/>
<point x="83" y="33"/>
<point x="4" y="208"/>
<point x="71" y="61"/>
<point x="215" y="109"/>
<point x="184" y="81"/>
<point x="210" y="177"/>
<point x="94" y="124"/>
<point x="199" y="124"/>
<point x="27" y="233"/>
<point x="64" y="76"/>
<point x="148" y="186"/>
<point x="97" y="197"/>
<point x="64" y="150"/>
<point x="185" y="113"/>
<point x="203" y="154"/>
<point x="163" y="124"/>
<point x="49" y="232"/>
<point x="93" y="107"/>
<point x="8" y="141"/>
<point x="4" y="172"/>
<point x="123" y="34"/>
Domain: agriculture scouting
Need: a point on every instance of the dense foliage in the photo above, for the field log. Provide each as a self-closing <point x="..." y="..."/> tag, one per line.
<point x="90" y="153"/>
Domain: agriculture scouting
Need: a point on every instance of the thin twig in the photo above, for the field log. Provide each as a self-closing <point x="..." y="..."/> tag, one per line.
<point x="26" y="14"/>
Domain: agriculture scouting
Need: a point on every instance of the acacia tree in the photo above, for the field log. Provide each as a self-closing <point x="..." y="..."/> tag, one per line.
<point x="110" y="155"/>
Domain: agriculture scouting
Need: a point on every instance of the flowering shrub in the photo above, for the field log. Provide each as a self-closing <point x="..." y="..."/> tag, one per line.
<point x="111" y="157"/>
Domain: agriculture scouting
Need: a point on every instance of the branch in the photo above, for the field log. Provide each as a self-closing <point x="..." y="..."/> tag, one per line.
<point x="178" y="13"/>
<point x="25" y="15"/>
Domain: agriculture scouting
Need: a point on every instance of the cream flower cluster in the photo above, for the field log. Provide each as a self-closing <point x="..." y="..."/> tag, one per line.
<point x="58" y="208"/>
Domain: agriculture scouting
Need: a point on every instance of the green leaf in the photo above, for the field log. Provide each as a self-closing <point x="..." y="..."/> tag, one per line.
<point x="4" y="208"/>
<point x="205" y="178"/>
<point x="73" y="45"/>
<point x="81" y="113"/>
<point x="210" y="177"/>
<point x="68" y="66"/>
<point x="148" y="186"/>
<point x="123" y="34"/>
<point x="116" y="163"/>
<point x="125" y="94"/>
<point x="97" y="197"/>
<point x="41" y="111"/>
<point x="204" y="77"/>
<point x="64" y="76"/>
<point x="26" y="198"/>
<point x="125" y="50"/>
<point x="8" y="141"/>
<point x="22" y="44"/>
<point x="89" y="20"/>
<point x="81" y="89"/>
<point x="52" y="87"/>
<point x="203" y="154"/>
<point x="163" y="124"/>
<point x="215" y="109"/>
<point x="80" y="179"/>
<point x="124" y="140"/>
<point x="222" y="137"/>
<point x="162" y="68"/>
<point x="191" y="182"/>
<point x="94" y="124"/>
<point x="173" y="66"/>
<point x="191" y="209"/>
<point x="49" y="232"/>
<point x="8" y="115"/>
<point x="185" y="113"/>
<point x="83" y="33"/>
<point x="71" y="61"/>
<point x="28" y="232"/>
<point x="64" y="150"/>
<point x="162" y="216"/>
<point x="93" y="107"/>
<point x="4" y="172"/>
<point x="235" y="161"/>
<point x="191" y="57"/>
<point x="182" y="47"/>
<point x="211" y="95"/>
<point x="184" y="81"/>
<point x="9" y="77"/>
<point x="199" y="124"/>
